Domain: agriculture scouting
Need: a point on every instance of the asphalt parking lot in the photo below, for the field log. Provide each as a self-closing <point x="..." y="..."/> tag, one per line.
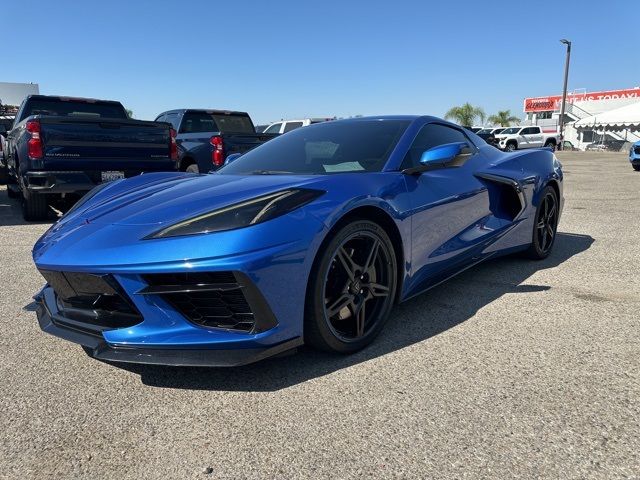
<point x="515" y="369"/>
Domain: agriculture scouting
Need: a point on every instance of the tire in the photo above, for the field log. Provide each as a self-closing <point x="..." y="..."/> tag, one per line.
<point x="351" y="289"/>
<point x="636" y="168"/>
<point x="545" y="226"/>
<point x="550" y="145"/>
<point x="11" y="193"/>
<point x="35" y="207"/>
<point x="193" y="168"/>
<point x="511" y="147"/>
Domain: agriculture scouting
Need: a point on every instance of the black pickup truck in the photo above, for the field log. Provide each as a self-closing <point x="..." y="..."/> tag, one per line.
<point x="62" y="147"/>
<point x="207" y="137"/>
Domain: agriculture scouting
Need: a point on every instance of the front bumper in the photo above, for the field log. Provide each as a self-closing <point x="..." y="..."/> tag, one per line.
<point x="51" y="321"/>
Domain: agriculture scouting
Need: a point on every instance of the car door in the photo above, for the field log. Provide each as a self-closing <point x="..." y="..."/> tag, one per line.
<point x="450" y="210"/>
<point x="535" y="137"/>
<point x="524" y="138"/>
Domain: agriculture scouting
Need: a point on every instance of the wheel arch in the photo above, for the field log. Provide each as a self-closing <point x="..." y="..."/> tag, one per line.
<point x="376" y="215"/>
<point x="186" y="161"/>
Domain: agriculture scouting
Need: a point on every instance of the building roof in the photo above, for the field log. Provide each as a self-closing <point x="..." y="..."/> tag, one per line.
<point x="627" y="116"/>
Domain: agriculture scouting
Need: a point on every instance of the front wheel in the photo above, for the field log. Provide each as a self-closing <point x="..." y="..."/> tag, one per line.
<point x="351" y="289"/>
<point x="511" y="147"/>
<point x="636" y="168"/>
<point x="546" y="225"/>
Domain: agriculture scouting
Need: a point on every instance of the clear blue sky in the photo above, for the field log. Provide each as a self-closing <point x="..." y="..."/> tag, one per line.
<point x="290" y="59"/>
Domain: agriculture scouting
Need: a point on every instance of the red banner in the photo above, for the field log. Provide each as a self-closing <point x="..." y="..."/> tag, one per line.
<point x="552" y="103"/>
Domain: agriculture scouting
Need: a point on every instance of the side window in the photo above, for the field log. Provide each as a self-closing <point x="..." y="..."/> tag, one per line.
<point x="275" y="128"/>
<point x="534" y="130"/>
<point x="525" y="131"/>
<point x="430" y="136"/>
<point x="288" y="126"/>
<point x="173" y="119"/>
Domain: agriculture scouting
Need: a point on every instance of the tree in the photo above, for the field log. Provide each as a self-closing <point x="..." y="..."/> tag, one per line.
<point x="465" y="115"/>
<point x="503" y="118"/>
<point x="129" y="113"/>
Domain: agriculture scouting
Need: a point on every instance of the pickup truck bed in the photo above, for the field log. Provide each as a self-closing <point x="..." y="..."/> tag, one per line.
<point x="67" y="146"/>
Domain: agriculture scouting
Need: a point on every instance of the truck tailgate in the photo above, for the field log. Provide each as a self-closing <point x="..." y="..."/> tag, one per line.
<point x="243" y="142"/>
<point x="105" y="143"/>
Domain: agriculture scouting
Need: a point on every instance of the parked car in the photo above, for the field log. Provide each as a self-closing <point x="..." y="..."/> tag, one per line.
<point x="606" y="146"/>
<point x="489" y="134"/>
<point x="261" y="128"/>
<point x="519" y="138"/>
<point x="207" y="137"/>
<point x="567" y="145"/>
<point x="285" y="126"/>
<point x="634" y="156"/>
<point x="61" y="146"/>
<point x="310" y="238"/>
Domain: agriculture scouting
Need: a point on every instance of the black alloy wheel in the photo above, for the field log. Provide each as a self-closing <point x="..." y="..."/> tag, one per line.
<point x="352" y="290"/>
<point x="546" y="224"/>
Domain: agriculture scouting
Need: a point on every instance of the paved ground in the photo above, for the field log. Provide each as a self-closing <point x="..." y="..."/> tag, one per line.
<point x="515" y="369"/>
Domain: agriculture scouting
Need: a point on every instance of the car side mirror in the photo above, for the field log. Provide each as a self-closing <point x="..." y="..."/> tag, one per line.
<point x="232" y="157"/>
<point x="442" y="156"/>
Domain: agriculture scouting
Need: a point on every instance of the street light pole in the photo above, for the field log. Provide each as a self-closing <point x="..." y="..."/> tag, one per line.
<point x="564" y="90"/>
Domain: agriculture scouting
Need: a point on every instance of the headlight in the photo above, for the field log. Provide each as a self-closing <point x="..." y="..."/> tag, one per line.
<point x="243" y="214"/>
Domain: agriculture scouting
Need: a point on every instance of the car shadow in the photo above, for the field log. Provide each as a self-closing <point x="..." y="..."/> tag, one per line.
<point x="11" y="212"/>
<point x="417" y="320"/>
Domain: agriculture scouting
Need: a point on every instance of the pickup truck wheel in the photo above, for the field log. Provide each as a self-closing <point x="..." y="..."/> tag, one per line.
<point x="11" y="193"/>
<point x="35" y="207"/>
<point x="511" y="147"/>
<point x="550" y="145"/>
<point x="193" y="168"/>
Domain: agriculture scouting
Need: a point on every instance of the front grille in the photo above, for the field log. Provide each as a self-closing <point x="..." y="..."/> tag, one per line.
<point x="91" y="302"/>
<point x="209" y="299"/>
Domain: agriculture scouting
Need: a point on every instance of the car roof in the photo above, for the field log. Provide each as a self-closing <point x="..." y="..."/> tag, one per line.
<point x="205" y="110"/>
<point x="65" y="98"/>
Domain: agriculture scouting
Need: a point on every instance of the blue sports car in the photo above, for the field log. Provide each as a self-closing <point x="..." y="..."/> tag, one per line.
<point x="310" y="238"/>
<point x="634" y="156"/>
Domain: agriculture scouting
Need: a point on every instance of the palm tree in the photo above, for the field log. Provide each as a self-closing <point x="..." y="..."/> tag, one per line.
<point x="466" y="114"/>
<point x="503" y="118"/>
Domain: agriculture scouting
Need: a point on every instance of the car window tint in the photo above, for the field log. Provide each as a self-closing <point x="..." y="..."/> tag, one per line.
<point x="430" y="136"/>
<point x="198" y="122"/>
<point x="275" y="128"/>
<point x="291" y="126"/>
<point x="173" y="119"/>
<point x="325" y="148"/>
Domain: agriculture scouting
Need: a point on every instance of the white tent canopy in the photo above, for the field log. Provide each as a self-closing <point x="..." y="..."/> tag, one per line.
<point x="623" y="117"/>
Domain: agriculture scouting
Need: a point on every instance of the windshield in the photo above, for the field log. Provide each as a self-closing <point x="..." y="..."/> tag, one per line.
<point x="510" y="131"/>
<point x="331" y="147"/>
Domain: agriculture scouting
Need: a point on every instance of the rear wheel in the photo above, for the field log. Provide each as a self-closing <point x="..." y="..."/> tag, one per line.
<point x="193" y="168"/>
<point x="352" y="289"/>
<point x="551" y="145"/>
<point x="35" y="207"/>
<point x="636" y="168"/>
<point x="546" y="225"/>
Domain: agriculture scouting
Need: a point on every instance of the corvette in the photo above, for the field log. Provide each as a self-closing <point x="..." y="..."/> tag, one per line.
<point x="310" y="238"/>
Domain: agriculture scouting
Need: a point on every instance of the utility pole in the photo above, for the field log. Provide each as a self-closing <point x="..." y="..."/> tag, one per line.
<point x="564" y="90"/>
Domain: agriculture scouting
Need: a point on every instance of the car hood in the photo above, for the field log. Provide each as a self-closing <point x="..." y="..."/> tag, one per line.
<point x="169" y="198"/>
